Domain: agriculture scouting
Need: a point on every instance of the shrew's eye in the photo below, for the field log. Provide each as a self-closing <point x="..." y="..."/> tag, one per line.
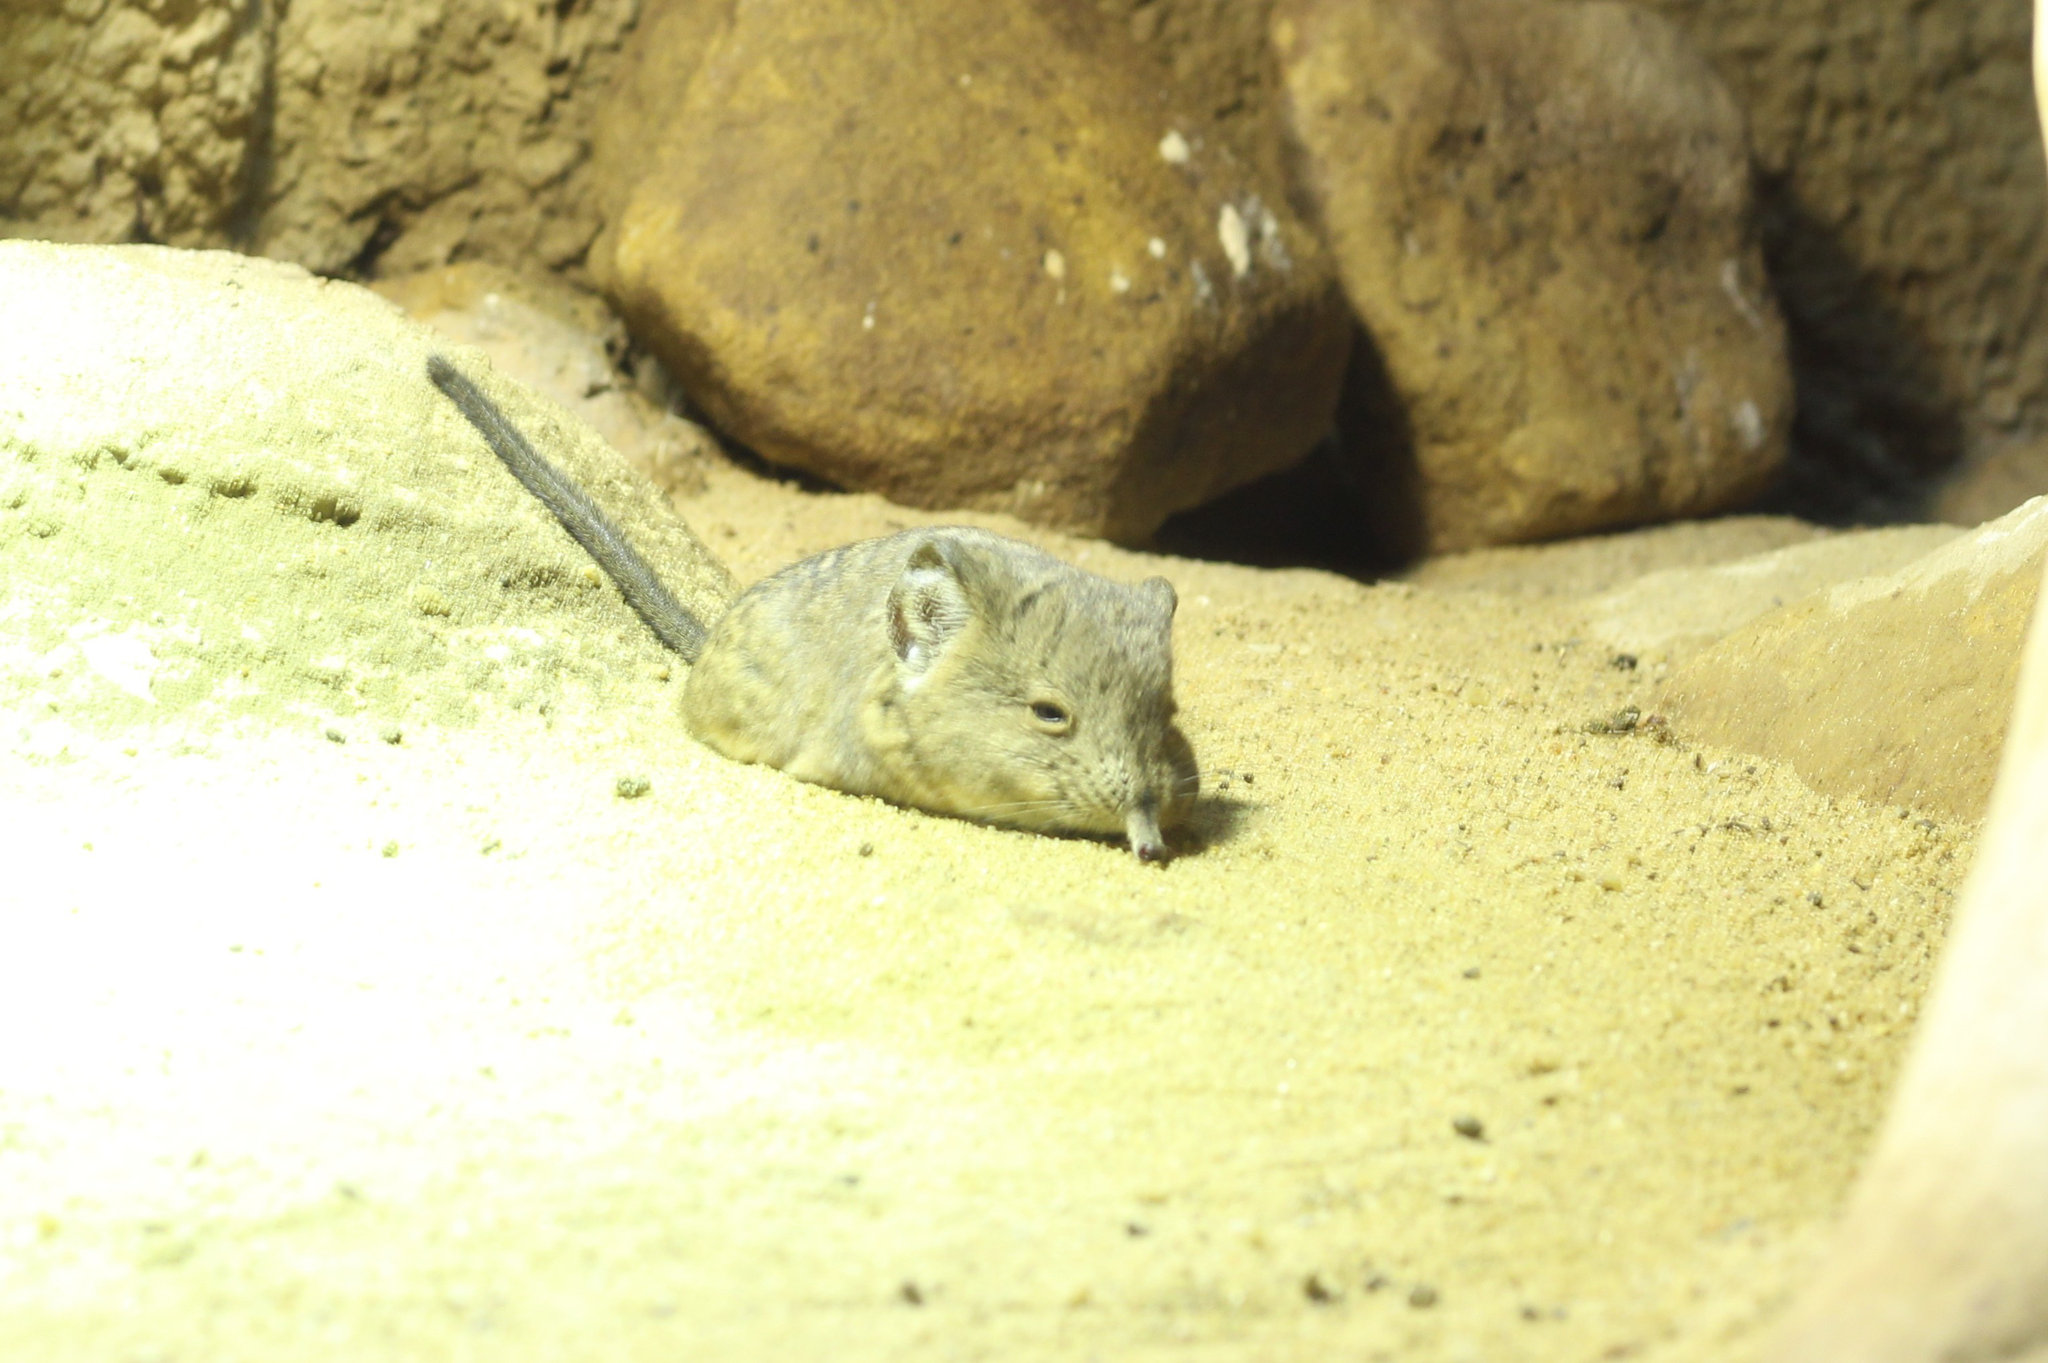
<point x="1051" y="714"/>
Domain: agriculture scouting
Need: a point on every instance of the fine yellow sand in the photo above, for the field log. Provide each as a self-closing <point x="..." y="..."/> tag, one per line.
<point x="438" y="1048"/>
<point x="353" y="1011"/>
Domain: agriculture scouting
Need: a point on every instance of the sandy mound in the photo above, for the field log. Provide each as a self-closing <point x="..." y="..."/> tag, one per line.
<point x="1473" y="1027"/>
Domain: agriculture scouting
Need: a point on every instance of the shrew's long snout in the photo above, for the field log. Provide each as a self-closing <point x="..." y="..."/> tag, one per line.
<point x="1142" y="828"/>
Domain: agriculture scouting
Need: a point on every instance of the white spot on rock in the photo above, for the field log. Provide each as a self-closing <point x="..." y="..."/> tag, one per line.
<point x="1055" y="265"/>
<point x="1236" y="240"/>
<point x="1119" y="282"/>
<point x="1157" y="248"/>
<point x="1173" y="148"/>
<point x="867" y="319"/>
<point x="1271" y="249"/>
<point x="1748" y="424"/>
<point x="1731" y="284"/>
<point x="1204" y="291"/>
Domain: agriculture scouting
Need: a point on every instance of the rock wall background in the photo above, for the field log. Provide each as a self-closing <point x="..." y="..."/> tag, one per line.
<point x="1903" y="191"/>
<point x="1903" y="199"/>
<point x="1903" y="208"/>
<point x="132" y="121"/>
<point x="360" y="138"/>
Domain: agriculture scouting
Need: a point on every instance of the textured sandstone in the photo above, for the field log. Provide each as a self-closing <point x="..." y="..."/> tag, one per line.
<point x="407" y="136"/>
<point x="1542" y="215"/>
<point x="967" y="255"/>
<point x="1891" y="689"/>
<point x="131" y="120"/>
<point x="1901" y="198"/>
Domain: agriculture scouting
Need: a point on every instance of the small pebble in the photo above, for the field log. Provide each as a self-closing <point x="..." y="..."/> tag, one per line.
<point x="1421" y="1296"/>
<point x="867" y="849"/>
<point x="1470" y="1127"/>
<point x="1316" y="1290"/>
<point x="632" y="787"/>
<point x="911" y="1293"/>
<point x="390" y="849"/>
<point x="392" y="734"/>
<point x="336" y="736"/>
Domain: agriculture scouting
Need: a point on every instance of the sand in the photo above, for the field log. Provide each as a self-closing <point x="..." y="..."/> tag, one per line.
<point x="1471" y="1024"/>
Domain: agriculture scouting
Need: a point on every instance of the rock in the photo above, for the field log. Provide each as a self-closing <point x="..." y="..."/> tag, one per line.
<point x="1943" y="1250"/>
<point x="1903" y="248"/>
<point x="352" y="136"/>
<point x="228" y="490"/>
<point x="405" y="135"/>
<point x="131" y="118"/>
<point x="1897" y="166"/>
<point x="646" y="95"/>
<point x="1542" y="214"/>
<point x="966" y="255"/>
<point x="1891" y="689"/>
<point x="1679" y="611"/>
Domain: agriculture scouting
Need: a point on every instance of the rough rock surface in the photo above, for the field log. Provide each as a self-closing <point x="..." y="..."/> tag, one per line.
<point x="1542" y="215"/>
<point x="131" y="119"/>
<point x="1891" y="689"/>
<point x="1899" y="166"/>
<point x="360" y="136"/>
<point x="284" y="402"/>
<point x="407" y="135"/>
<point x="965" y="255"/>
<point x="1901" y="209"/>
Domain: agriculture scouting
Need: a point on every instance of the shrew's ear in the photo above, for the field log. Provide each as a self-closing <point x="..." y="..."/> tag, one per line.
<point x="928" y="607"/>
<point x="1158" y="592"/>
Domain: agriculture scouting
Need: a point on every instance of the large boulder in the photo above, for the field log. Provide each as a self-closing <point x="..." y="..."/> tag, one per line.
<point x="1891" y="688"/>
<point x="1542" y="214"/>
<point x="965" y="255"/>
<point x="1899" y="212"/>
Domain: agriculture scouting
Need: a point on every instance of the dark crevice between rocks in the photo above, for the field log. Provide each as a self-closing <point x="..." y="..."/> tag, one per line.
<point x="1873" y="433"/>
<point x="388" y="229"/>
<point x="1873" y="437"/>
<point x="1351" y="506"/>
